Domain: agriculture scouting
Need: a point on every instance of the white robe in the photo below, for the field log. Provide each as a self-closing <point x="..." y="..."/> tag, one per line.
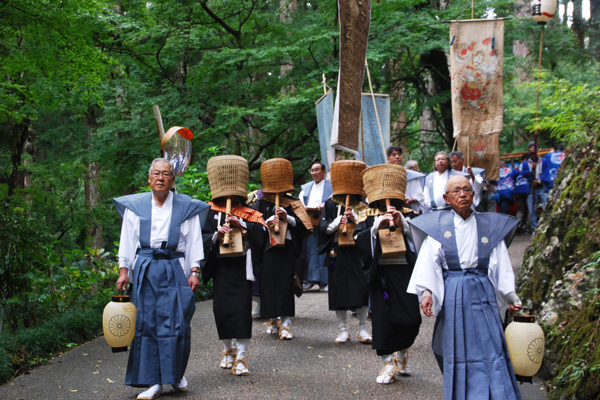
<point x="190" y="236"/>
<point x="431" y="261"/>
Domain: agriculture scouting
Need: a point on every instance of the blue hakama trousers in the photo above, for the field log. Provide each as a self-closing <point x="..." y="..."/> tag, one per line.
<point x="469" y="336"/>
<point x="165" y="305"/>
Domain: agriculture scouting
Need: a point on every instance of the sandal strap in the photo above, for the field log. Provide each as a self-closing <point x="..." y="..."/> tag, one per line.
<point x="230" y="352"/>
<point x="239" y="361"/>
<point x="282" y="329"/>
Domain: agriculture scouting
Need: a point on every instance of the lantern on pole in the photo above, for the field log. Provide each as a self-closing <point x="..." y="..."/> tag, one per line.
<point x="525" y="341"/>
<point x="542" y="11"/>
<point x="118" y="322"/>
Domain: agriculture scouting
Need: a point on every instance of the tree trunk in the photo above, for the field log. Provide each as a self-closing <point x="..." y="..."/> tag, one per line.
<point x="92" y="192"/>
<point x="594" y="27"/>
<point x="19" y="135"/>
<point x="577" y="27"/>
<point x="436" y="62"/>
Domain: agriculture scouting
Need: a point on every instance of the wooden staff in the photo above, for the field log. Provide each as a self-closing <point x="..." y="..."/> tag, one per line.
<point x="388" y="204"/>
<point x="276" y="228"/>
<point x="345" y="230"/>
<point x="228" y="212"/>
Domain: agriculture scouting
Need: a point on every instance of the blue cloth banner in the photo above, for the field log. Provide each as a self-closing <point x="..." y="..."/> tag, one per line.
<point x="374" y="151"/>
<point x="324" y="108"/>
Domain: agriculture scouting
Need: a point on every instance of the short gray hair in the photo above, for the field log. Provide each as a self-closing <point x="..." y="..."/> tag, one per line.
<point x="441" y="152"/>
<point x="456" y="153"/>
<point x="157" y="160"/>
<point x="410" y="163"/>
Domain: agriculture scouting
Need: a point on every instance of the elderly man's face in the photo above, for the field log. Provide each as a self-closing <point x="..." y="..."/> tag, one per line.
<point x="161" y="179"/>
<point x="456" y="163"/>
<point x="441" y="163"/>
<point x="460" y="193"/>
<point x="395" y="158"/>
<point x="317" y="172"/>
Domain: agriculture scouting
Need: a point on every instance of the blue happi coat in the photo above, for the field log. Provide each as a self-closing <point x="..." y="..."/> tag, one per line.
<point x="468" y="339"/>
<point x="165" y="303"/>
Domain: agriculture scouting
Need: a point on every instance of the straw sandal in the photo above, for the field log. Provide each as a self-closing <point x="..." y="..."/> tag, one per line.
<point x="228" y="357"/>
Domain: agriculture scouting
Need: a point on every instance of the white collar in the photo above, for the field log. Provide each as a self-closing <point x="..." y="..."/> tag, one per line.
<point x="168" y="202"/>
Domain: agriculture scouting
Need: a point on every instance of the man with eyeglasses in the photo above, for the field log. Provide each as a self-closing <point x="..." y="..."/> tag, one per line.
<point x="436" y="182"/>
<point x="313" y="196"/>
<point x="463" y="276"/>
<point x="159" y="254"/>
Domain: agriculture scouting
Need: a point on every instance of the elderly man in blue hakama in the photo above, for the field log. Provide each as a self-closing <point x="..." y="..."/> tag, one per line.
<point x="160" y="253"/>
<point x="463" y="275"/>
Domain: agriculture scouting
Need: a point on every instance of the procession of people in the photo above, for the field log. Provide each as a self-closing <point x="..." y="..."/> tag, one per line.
<point x="387" y="243"/>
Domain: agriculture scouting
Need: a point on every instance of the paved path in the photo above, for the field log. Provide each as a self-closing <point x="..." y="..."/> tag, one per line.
<point x="311" y="366"/>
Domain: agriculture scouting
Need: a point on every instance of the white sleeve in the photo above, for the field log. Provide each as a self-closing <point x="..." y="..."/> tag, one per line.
<point x="301" y="195"/>
<point x="332" y="227"/>
<point x="426" y="200"/>
<point x="290" y="220"/>
<point x="428" y="273"/>
<point x="194" y="248"/>
<point x="130" y="239"/>
<point x="501" y="274"/>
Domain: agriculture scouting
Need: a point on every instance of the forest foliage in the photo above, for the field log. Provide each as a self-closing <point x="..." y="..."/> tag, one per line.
<point x="80" y="77"/>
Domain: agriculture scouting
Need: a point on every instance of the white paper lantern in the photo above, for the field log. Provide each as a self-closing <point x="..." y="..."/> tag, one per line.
<point x="526" y="342"/>
<point x="542" y="11"/>
<point x="118" y="322"/>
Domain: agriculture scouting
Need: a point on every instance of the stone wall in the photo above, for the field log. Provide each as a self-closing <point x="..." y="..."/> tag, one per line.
<point x="559" y="278"/>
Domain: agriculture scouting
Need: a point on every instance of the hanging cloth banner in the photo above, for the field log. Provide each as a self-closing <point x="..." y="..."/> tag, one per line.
<point x="324" y="108"/>
<point x="476" y="70"/>
<point x="374" y="150"/>
<point x="355" y="18"/>
<point x="482" y="152"/>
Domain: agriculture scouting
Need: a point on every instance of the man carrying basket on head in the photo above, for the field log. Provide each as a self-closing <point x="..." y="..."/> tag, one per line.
<point x="235" y="236"/>
<point x="382" y="237"/>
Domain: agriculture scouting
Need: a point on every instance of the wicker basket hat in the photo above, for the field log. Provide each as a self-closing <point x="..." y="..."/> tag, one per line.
<point x="346" y="177"/>
<point x="277" y="176"/>
<point x="228" y="176"/>
<point x="384" y="181"/>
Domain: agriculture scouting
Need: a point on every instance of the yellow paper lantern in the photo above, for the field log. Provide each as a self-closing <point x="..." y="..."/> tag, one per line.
<point x="543" y="11"/>
<point x="526" y="342"/>
<point x="118" y="322"/>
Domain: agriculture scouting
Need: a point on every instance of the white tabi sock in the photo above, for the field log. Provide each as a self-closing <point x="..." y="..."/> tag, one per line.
<point x="242" y="347"/>
<point x="287" y="321"/>
<point x="342" y="317"/>
<point x="363" y="314"/>
<point x="227" y="344"/>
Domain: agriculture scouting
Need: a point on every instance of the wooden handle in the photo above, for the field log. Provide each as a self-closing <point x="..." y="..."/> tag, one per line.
<point x="388" y="204"/>
<point x="228" y="212"/>
<point x="345" y="229"/>
<point x="159" y="125"/>
<point x="276" y="229"/>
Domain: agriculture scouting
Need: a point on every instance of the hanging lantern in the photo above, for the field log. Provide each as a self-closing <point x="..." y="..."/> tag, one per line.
<point x="542" y="11"/>
<point x="525" y="341"/>
<point x="118" y="322"/>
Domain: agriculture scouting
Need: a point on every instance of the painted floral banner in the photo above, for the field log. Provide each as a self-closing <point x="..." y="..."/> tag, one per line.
<point x="476" y="70"/>
<point x="481" y="152"/>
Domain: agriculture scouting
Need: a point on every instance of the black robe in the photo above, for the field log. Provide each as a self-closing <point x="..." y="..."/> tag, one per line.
<point x="232" y="301"/>
<point x="279" y="263"/>
<point x="348" y="286"/>
<point x="395" y="320"/>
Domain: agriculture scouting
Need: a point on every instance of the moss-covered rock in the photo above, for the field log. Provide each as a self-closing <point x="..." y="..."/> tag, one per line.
<point x="559" y="277"/>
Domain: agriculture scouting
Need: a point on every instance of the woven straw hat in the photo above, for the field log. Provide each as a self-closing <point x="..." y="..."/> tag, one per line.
<point x="228" y="176"/>
<point x="346" y="177"/>
<point x="384" y="181"/>
<point x="277" y="176"/>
